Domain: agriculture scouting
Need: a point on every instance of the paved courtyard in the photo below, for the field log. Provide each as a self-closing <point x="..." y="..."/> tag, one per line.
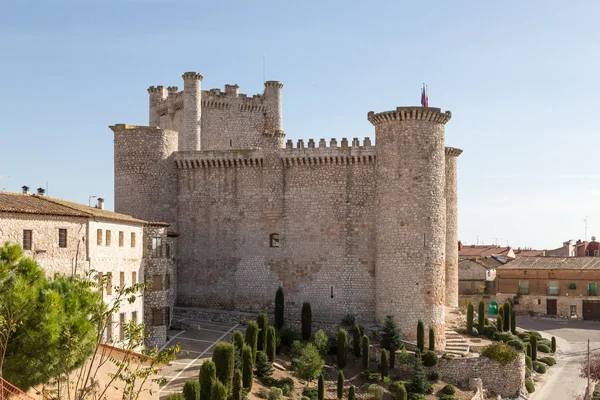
<point x="197" y="345"/>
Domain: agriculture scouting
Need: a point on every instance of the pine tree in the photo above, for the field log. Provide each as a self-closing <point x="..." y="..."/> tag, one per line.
<point x="271" y="343"/>
<point x="384" y="364"/>
<point x="431" y="339"/>
<point x="342" y="349"/>
<point x="513" y="322"/>
<point x="351" y="395"/>
<point x="470" y="319"/>
<point x="356" y="338"/>
<point x="418" y="380"/>
<point x="321" y="388"/>
<point x="279" y="308"/>
<point x="191" y="390"/>
<point x="264" y="369"/>
<point x="340" y="385"/>
<point x="223" y="357"/>
<point x="247" y="367"/>
<point x="391" y="339"/>
<point x="481" y="316"/>
<point x="366" y="351"/>
<point x="208" y="376"/>
<point x="533" y="341"/>
<point x="306" y="321"/>
<point x="263" y="323"/>
<point x="420" y="336"/>
<point x="553" y="343"/>
<point x="506" y="317"/>
<point x="236" y="393"/>
<point x="238" y="343"/>
<point x="252" y="338"/>
<point x="218" y="391"/>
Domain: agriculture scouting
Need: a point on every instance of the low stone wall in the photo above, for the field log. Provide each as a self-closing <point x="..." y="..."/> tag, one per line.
<point x="505" y="380"/>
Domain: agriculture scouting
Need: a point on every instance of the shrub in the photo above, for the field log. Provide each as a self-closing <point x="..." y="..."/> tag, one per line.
<point x="342" y="349"/>
<point x="271" y="343"/>
<point x="247" y="368"/>
<point x="447" y="397"/>
<point x="429" y="358"/>
<point x="429" y="388"/>
<point x="434" y="376"/>
<point x="391" y="339"/>
<point x="279" y="308"/>
<point x="288" y="335"/>
<point x="384" y="364"/>
<point x="431" y="339"/>
<point x="505" y="337"/>
<point x="191" y="390"/>
<point x="535" y="333"/>
<point x="524" y="336"/>
<point x="517" y="344"/>
<point x="528" y="349"/>
<point x="550" y="361"/>
<point x="500" y="352"/>
<point x="529" y="385"/>
<point x="499" y="323"/>
<point x="263" y="367"/>
<point x="218" y="391"/>
<point x="420" y="336"/>
<point x="321" y="342"/>
<point x="238" y="343"/>
<point x="401" y="392"/>
<point x="543" y="348"/>
<point x="506" y="317"/>
<point x="533" y="342"/>
<point x="371" y="376"/>
<point x="306" y="321"/>
<point x="351" y="395"/>
<point x="252" y="338"/>
<point x="489" y="331"/>
<point x="309" y="364"/>
<point x="470" y="319"/>
<point x="208" y="376"/>
<point x="296" y="349"/>
<point x="236" y="390"/>
<point x="386" y="382"/>
<point x="487" y="321"/>
<point x="539" y="367"/>
<point x="175" y="396"/>
<point x="513" y="322"/>
<point x="321" y="388"/>
<point x="356" y="337"/>
<point x="223" y="357"/>
<point x="375" y="392"/>
<point x="275" y="393"/>
<point x="449" y="389"/>
<point x="481" y="315"/>
<point x="263" y="323"/>
<point x="366" y="351"/>
<point x="418" y="381"/>
<point x="263" y="393"/>
<point x="340" y="384"/>
<point x="416" y="396"/>
<point x="311" y="393"/>
<point x="553" y="344"/>
<point x="475" y="332"/>
<point x="528" y="372"/>
<point x="349" y="320"/>
<point x="403" y="357"/>
<point x="528" y="362"/>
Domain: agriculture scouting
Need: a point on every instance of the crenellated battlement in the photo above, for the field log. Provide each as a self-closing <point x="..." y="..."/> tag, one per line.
<point x="219" y="159"/>
<point x="345" y="153"/>
<point x="333" y="144"/>
<point x="453" y="151"/>
<point x="430" y="114"/>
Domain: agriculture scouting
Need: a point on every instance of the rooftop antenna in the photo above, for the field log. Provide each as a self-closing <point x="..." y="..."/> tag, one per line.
<point x="585" y="220"/>
<point x="496" y="239"/>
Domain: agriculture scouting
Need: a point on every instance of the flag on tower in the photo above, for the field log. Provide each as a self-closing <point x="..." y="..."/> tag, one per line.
<point x="424" y="97"/>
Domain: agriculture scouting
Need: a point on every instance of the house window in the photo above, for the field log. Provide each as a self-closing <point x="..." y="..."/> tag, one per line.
<point x="99" y="237"/>
<point x="109" y="329"/>
<point x="121" y="281"/>
<point x="167" y="250"/>
<point x="109" y="283"/>
<point x="539" y="302"/>
<point x="274" y="240"/>
<point x="122" y="326"/>
<point x="573" y="310"/>
<point x="156" y="246"/>
<point x="134" y="278"/>
<point x="62" y="238"/>
<point x="100" y="276"/>
<point x="523" y="287"/>
<point x="572" y="286"/>
<point x="156" y="282"/>
<point x="592" y="289"/>
<point x="108" y="234"/>
<point x="121" y="238"/>
<point x="157" y="317"/>
<point x="132" y="239"/>
<point x="134" y="317"/>
<point x="553" y="288"/>
<point x="27" y="239"/>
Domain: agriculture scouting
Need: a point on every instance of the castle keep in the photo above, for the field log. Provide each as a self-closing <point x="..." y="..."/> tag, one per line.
<point x="350" y="226"/>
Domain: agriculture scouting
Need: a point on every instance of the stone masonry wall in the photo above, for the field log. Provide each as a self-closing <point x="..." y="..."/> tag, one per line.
<point x="451" y="195"/>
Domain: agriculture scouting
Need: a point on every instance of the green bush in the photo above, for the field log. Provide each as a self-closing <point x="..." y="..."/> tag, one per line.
<point x="306" y="318"/>
<point x="296" y="349"/>
<point x="247" y="368"/>
<point x="431" y="339"/>
<point x="271" y="343"/>
<point x="340" y="384"/>
<point x="470" y="319"/>
<point x="449" y="389"/>
<point x="500" y="352"/>
<point x="543" y="348"/>
<point x="545" y="342"/>
<point x="400" y="392"/>
<point x="366" y="351"/>
<point x="550" y="361"/>
<point x="349" y="320"/>
<point x="528" y="362"/>
<point x="321" y="342"/>
<point x="279" y="308"/>
<point x="312" y="393"/>
<point x="553" y="344"/>
<point x="533" y="341"/>
<point x="539" y="367"/>
<point x="321" y="388"/>
<point x="481" y="315"/>
<point x="415" y="396"/>
<point x="275" y="393"/>
<point x="420" y="336"/>
<point x="286" y="385"/>
<point x="489" y="331"/>
<point x="535" y="333"/>
<point x="175" y="396"/>
<point x="263" y="323"/>
<point x="236" y="390"/>
<point x="342" y="349"/>
<point x="356" y="340"/>
<point x="351" y="395"/>
<point x="434" y="376"/>
<point x="371" y="376"/>
<point x="516" y="344"/>
<point x="447" y="397"/>
<point x="529" y="385"/>
<point x="506" y="337"/>
<point x="429" y="358"/>
<point x="375" y="392"/>
<point x="191" y="390"/>
<point x="208" y="376"/>
<point x="223" y="357"/>
<point x="252" y="338"/>
<point x="288" y="335"/>
<point x="524" y="336"/>
<point x="263" y="366"/>
<point x="528" y="372"/>
<point x="528" y="349"/>
<point x="384" y="364"/>
<point x="499" y="324"/>
<point x="218" y="391"/>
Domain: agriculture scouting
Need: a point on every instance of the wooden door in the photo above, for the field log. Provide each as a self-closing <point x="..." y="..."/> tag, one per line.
<point x="551" y="307"/>
<point x="591" y="310"/>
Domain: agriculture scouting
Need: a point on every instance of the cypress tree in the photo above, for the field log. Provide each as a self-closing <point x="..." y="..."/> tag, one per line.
<point x="470" y="319"/>
<point x="223" y="357"/>
<point x="499" y="323"/>
<point x="351" y="395"/>
<point x="418" y="380"/>
<point x="279" y="308"/>
<point x="306" y="321"/>
<point x="252" y="338"/>
<point x="383" y="366"/>
<point x="342" y="349"/>
<point x="208" y="375"/>
<point x="528" y="349"/>
<point x="247" y="367"/>
<point x="271" y="343"/>
<point x="321" y="388"/>
<point x="501" y="315"/>
<point x="420" y="336"/>
<point x="391" y="339"/>
<point x="356" y="337"/>
<point x="366" y="351"/>
<point x="506" y="317"/>
<point x="236" y="393"/>
<point x="191" y="390"/>
<point x="263" y="323"/>
<point x="533" y="341"/>
<point x="481" y="316"/>
<point x="238" y="343"/>
<point x="431" y="339"/>
<point x="218" y="391"/>
<point x="340" y="385"/>
<point x="513" y="322"/>
<point x="401" y="393"/>
<point x="553" y="344"/>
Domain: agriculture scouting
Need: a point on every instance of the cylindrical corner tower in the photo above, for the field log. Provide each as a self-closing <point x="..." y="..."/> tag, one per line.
<point x="411" y="218"/>
<point x="190" y="139"/>
<point x="451" y="227"/>
<point x="156" y="94"/>
<point x="274" y="118"/>
<point x="145" y="173"/>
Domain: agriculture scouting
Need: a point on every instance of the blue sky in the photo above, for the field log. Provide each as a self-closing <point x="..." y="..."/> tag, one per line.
<point x="519" y="76"/>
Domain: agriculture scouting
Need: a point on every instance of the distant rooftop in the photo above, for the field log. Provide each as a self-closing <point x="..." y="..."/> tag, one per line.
<point x="575" y="263"/>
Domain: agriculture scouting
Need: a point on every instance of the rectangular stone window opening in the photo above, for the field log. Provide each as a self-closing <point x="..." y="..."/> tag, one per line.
<point x="539" y="301"/>
<point x="134" y="317"/>
<point x="274" y="240"/>
<point x="156" y="246"/>
<point x="573" y="310"/>
<point x="108" y="237"/>
<point x="132" y="239"/>
<point x="134" y="278"/>
<point x="157" y="282"/>
<point x="523" y="287"/>
<point x="332" y="292"/>
<point x="230" y="143"/>
<point x="109" y="329"/>
<point x="109" y="283"/>
<point x="27" y="239"/>
<point x="99" y="237"/>
<point x="157" y="317"/>
<point x="121" y="281"/>
<point x="121" y="238"/>
<point x="167" y="250"/>
<point x="572" y="286"/>
<point x="592" y="289"/>
<point x="553" y="288"/>
<point x="122" y="326"/>
<point x="62" y="238"/>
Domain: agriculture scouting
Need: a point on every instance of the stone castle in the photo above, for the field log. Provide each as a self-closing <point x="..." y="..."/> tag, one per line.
<point x="350" y="226"/>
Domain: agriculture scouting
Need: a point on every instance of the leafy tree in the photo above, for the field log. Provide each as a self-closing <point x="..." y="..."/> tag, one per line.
<point x="342" y="349"/>
<point x="506" y="317"/>
<point x="306" y="321"/>
<point x="223" y="357"/>
<point x="236" y="393"/>
<point x="391" y="339"/>
<point x="238" y="343"/>
<point x="356" y="337"/>
<point x="366" y="351"/>
<point x="279" y="308"/>
<point x="533" y="341"/>
<point x="418" y="380"/>
<point x="470" y="319"/>
<point x="321" y="388"/>
<point x="264" y="369"/>
<point x="421" y="336"/>
<point x="351" y="395"/>
<point x="321" y="342"/>
<point x="263" y="323"/>
<point x="208" y="377"/>
<point x="218" y="391"/>
<point x="309" y="364"/>
<point x="271" y="343"/>
<point x="247" y="367"/>
<point x="252" y="338"/>
<point x="513" y="322"/>
<point x="383" y="366"/>
<point x="191" y="390"/>
<point x="340" y="385"/>
<point x="431" y="339"/>
<point x="481" y="316"/>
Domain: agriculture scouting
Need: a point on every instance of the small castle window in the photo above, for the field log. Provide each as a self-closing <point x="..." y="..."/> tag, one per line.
<point x="62" y="238"/>
<point x="274" y="240"/>
<point x="230" y="142"/>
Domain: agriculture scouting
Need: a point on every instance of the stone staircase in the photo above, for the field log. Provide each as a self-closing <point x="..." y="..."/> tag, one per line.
<point x="456" y="344"/>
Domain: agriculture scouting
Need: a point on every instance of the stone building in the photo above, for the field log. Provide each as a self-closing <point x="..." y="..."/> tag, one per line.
<point x="477" y="274"/>
<point x="73" y="239"/>
<point x="349" y="226"/>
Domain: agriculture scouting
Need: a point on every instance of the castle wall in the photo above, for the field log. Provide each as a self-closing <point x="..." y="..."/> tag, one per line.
<point x="451" y="196"/>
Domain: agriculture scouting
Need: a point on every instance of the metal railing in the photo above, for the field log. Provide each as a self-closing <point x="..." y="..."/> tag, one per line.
<point x="9" y="391"/>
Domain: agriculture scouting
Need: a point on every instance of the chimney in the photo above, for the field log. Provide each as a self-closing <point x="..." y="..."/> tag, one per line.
<point x="25" y="189"/>
<point x="100" y="205"/>
<point x="41" y="192"/>
<point x="460" y="245"/>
